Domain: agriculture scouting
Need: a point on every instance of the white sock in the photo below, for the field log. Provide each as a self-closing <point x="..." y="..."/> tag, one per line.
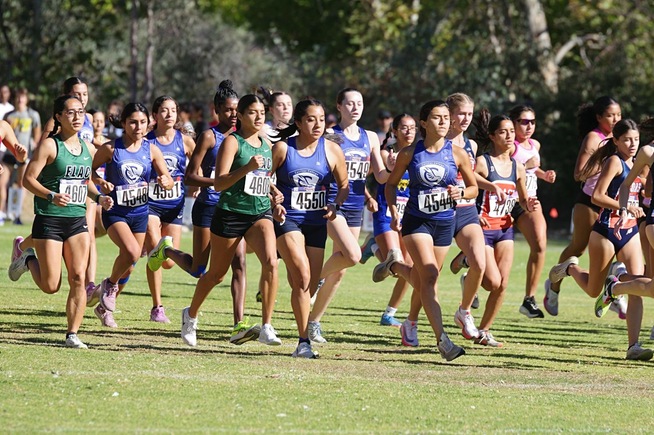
<point x="390" y="311"/>
<point x="374" y="248"/>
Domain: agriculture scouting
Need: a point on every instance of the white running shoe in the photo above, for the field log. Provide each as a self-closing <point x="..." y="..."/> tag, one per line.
<point x="189" y="328"/>
<point x="467" y="324"/>
<point x="551" y="299"/>
<point x="409" y="332"/>
<point x="383" y="269"/>
<point x="16" y="251"/>
<point x="318" y="287"/>
<point x="315" y="333"/>
<point x="487" y="339"/>
<point x="448" y="350"/>
<point x="560" y="271"/>
<point x="268" y="335"/>
<point x="617" y="268"/>
<point x="619" y="306"/>
<point x="74" y="342"/>
<point x="19" y="267"/>
<point x="637" y="353"/>
<point x="303" y="350"/>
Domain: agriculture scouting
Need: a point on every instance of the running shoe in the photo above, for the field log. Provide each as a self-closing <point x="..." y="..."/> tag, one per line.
<point x="108" y="295"/>
<point x="268" y="335"/>
<point x="318" y="287"/>
<point x="244" y="332"/>
<point x="387" y="320"/>
<point x="189" y="328"/>
<point x="16" y="251"/>
<point x="315" y="333"/>
<point x="366" y="250"/>
<point x="487" y="339"/>
<point x="459" y="262"/>
<point x="448" y="350"/>
<point x="409" y="332"/>
<point x="259" y="298"/>
<point x="19" y="267"/>
<point x="637" y="353"/>
<point x="619" y="306"/>
<point x="158" y="255"/>
<point x="74" y="342"/>
<point x="475" y="302"/>
<point x="158" y="314"/>
<point x="605" y="299"/>
<point x="92" y="294"/>
<point x="303" y="350"/>
<point x="530" y="309"/>
<point x="617" y="268"/>
<point x="383" y="269"/>
<point x="560" y="271"/>
<point x="551" y="299"/>
<point x="106" y="317"/>
<point x="466" y="322"/>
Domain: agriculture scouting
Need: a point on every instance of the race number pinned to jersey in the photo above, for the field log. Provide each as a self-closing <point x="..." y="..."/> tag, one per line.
<point x="76" y="189"/>
<point x="497" y="210"/>
<point x="158" y="193"/>
<point x="132" y="195"/>
<point x="436" y="200"/>
<point x="257" y="183"/>
<point x="400" y="205"/>
<point x="531" y="183"/>
<point x="357" y="169"/>
<point x="309" y="198"/>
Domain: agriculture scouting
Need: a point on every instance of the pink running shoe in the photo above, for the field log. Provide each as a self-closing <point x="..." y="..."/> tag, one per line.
<point x="92" y="294"/>
<point x="108" y="295"/>
<point x="159" y="315"/>
<point x="16" y="252"/>
<point x="106" y="317"/>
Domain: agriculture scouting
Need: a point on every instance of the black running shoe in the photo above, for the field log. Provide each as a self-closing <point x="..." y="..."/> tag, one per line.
<point x="530" y="309"/>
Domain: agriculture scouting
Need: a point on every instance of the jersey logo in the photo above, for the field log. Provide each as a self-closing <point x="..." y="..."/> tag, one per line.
<point x="132" y="171"/>
<point x="171" y="161"/>
<point x="431" y="173"/>
<point x="305" y="179"/>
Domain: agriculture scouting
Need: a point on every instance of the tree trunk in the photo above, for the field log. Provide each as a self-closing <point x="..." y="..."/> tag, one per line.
<point x="134" y="50"/>
<point x="149" y="54"/>
<point x="541" y="37"/>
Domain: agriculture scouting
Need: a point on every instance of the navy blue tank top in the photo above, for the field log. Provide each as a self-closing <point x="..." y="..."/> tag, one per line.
<point x="357" y="162"/>
<point x="208" y="195"/>
<point x="129" y="172"/>
<point x="175" y="158"/>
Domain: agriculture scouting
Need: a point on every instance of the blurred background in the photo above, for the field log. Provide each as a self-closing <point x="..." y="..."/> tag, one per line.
<point x="554" y="55"/>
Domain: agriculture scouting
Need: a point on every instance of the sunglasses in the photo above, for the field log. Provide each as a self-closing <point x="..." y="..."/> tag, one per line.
<point x="526" y="122"/>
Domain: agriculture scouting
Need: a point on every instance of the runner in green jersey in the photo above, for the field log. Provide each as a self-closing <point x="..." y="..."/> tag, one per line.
<point x="59" y="177"/>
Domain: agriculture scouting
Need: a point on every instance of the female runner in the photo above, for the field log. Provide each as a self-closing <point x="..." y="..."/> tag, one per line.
<point x="595" y="123"/>
<point x="428" y="223"/>
<point x="243" y="170"/>
<point x="129" y="161"/>
<point x="58" y="175"/>
<point x="305" y="166"/>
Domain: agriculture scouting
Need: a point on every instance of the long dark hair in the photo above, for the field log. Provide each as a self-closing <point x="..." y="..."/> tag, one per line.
<point x="587" y="114"/>
<point x="518" y="110"/>
<point x="156" y="105"/>
<point x="426" y="109"/>
<point x="299" y="112"/>
<point x="57" y="109"/>
<point x="485" y="125"/>
<point x="70" y="82"/>
<point x="118" y="121"/>
<point x="597" y="159"/>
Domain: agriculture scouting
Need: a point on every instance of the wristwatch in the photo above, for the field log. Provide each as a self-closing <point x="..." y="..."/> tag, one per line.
<point x="336" y="206"/>
<point x="50" y="196"/>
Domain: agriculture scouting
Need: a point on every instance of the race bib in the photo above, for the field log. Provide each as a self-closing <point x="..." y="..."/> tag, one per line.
<point x="464" y="202"/>
<point x="132" y="195"/>
<point x="257" y="183"/>
<point x="497" y="210"/>
<point x="400" y="205"/>
<point x="435" y="200"/>
<point x="77" y="189"/>
<point x="357" y="169"/>
<point x="531" y="183"/>
<point x="308" y="198"/>
<point x="158" y="193"/>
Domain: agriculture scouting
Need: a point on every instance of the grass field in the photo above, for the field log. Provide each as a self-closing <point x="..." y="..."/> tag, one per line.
<point x="558" y="374"/>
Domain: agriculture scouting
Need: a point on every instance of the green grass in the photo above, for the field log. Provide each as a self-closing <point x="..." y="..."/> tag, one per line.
<point x="555" y="374"/>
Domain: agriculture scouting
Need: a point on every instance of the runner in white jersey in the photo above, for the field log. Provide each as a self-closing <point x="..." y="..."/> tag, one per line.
<point x="532" y="225"/>
<point x="595" y="123"/>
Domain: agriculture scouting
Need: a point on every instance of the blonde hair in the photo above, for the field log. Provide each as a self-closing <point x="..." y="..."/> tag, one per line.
<point x="458" y="99"/>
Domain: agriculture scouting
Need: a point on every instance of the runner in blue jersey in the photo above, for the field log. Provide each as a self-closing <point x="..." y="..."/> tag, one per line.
<point x="129" y="161"/>
<point x="361" y="150"/>
<point x="306" y="165"/>
<point x="428" y="223"/>
<point x="166" y="206"/>
<point x="403" y="133"/>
